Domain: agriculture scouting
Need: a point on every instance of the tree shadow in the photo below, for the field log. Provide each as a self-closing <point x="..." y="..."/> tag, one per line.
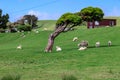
<point x="103" y="46"/>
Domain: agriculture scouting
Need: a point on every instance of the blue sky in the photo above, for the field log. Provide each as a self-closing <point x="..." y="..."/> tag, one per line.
<point x="53" y="9"/>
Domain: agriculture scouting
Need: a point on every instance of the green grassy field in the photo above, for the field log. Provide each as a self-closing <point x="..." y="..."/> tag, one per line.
<point x="32" y="63"/>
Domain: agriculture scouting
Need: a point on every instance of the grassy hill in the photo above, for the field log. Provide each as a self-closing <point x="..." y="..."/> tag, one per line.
<point x="49" y="24"/>
<point x="32" y="63"/>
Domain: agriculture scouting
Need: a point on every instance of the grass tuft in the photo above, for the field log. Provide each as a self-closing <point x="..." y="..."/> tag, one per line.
<point x="11" y="77"/>
<point x="68" y="77"/>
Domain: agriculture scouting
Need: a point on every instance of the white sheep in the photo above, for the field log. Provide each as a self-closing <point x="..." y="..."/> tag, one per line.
<point x="109" y="43"/>
<point x="22" y="31"/>
<point x="45" y="29"/>
<point x="23" y="35"/>
<point x="83" y="43"/>
<point x="58" y="48"/>
<point x="97" y="44"/>
<point x="36" y="31"/>
<point x="19" y="47"/>
<point x="82" y="48"/>
<point x="75" y="39"/>
<point x="28" y="32"/>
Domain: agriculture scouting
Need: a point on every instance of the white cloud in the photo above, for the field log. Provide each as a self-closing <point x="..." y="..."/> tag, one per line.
<point x="36" y="13"/>
<point x="43" y="15"/>
<point x="40" y="15"/>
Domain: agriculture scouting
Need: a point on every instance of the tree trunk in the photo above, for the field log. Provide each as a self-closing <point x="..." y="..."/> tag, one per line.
<point x="53" y="36"/>
<point x="51" y="41"/>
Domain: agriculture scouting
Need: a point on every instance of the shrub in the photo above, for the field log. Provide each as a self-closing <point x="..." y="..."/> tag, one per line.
<point x="68" y="77"/>
<point x="24" y="27"/>
<point x="2" y="30"/>
<point x="11" y="77"/>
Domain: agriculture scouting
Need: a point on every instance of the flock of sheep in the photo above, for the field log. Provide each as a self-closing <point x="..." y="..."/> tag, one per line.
<point x="83" y="45"/>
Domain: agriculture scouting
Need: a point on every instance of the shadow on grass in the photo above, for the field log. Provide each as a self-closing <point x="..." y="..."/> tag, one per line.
<point x="76" y="48"/>
<point x="103" y="46"/>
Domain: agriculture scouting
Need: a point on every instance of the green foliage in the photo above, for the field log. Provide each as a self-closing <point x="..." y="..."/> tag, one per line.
<point x="11" y="77"/>
<point x="69" y="18"/>
<point x="2" y="30"/>
<point x="91" y="13"/>
<point x="68" y="77"/>
<point x="3" y="20"/>
<point x="26" y="27"/>
<point x="29" y="19"/>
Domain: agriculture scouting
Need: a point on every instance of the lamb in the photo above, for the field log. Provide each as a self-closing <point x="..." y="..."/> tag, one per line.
<point x="36" y="31"/>
<point x="23" y="35"/>
<point x="75" y="39"/>
<point x="109" y="43"/>
<point x="97" y="44"/>
<point x="58" y="48"/>
<point x="45" y="29"/>
<point x="82" y="48"/>
<point x="19" y="47"/>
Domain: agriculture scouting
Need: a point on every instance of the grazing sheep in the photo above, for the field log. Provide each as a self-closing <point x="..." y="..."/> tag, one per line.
<point x="23" y="35"/>
<point x="75" y="39"/>
<point x="19" y="47"/>
<point x="97" y="44"/>
<point x="45" y="29"/>
<point x="36" y="31"/>
<point x="22" y="31"/>
<point x="18" y="31"/>
<point x="82" y="48"/>
<point x="109" y="43"/>
<point x="83" y="44"/>
<point x="107" y="26"/>
<point x="28" y="32"/>
<point x="58" y="48"/>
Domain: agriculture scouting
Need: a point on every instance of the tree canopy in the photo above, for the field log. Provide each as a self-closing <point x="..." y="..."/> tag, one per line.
<point x="3" y="20"/>
<point x="67" y="20"/>
<point x="30" y="19"/>
<point x="91" y="14"/>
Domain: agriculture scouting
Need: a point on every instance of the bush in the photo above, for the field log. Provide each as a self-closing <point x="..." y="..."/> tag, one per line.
<point x="13" y="30"/>
<point x="68" y="77"/>
<point x="11" y="77"/>
<point x="2" y="30"/>
<point x="24" y="27"/>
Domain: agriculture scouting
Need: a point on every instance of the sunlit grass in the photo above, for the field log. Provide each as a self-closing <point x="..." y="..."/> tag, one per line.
<point x="32" y="63"/>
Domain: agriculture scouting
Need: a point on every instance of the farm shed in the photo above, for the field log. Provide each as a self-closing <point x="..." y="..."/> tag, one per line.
<point x="104" y="22"/>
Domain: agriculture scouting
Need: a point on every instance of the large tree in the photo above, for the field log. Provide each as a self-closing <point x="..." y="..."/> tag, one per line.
<point x="3" y="20"/>
<point x="91" y="14"/>
<point x="30" y="19"/>
<point x="67" y="20"/>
